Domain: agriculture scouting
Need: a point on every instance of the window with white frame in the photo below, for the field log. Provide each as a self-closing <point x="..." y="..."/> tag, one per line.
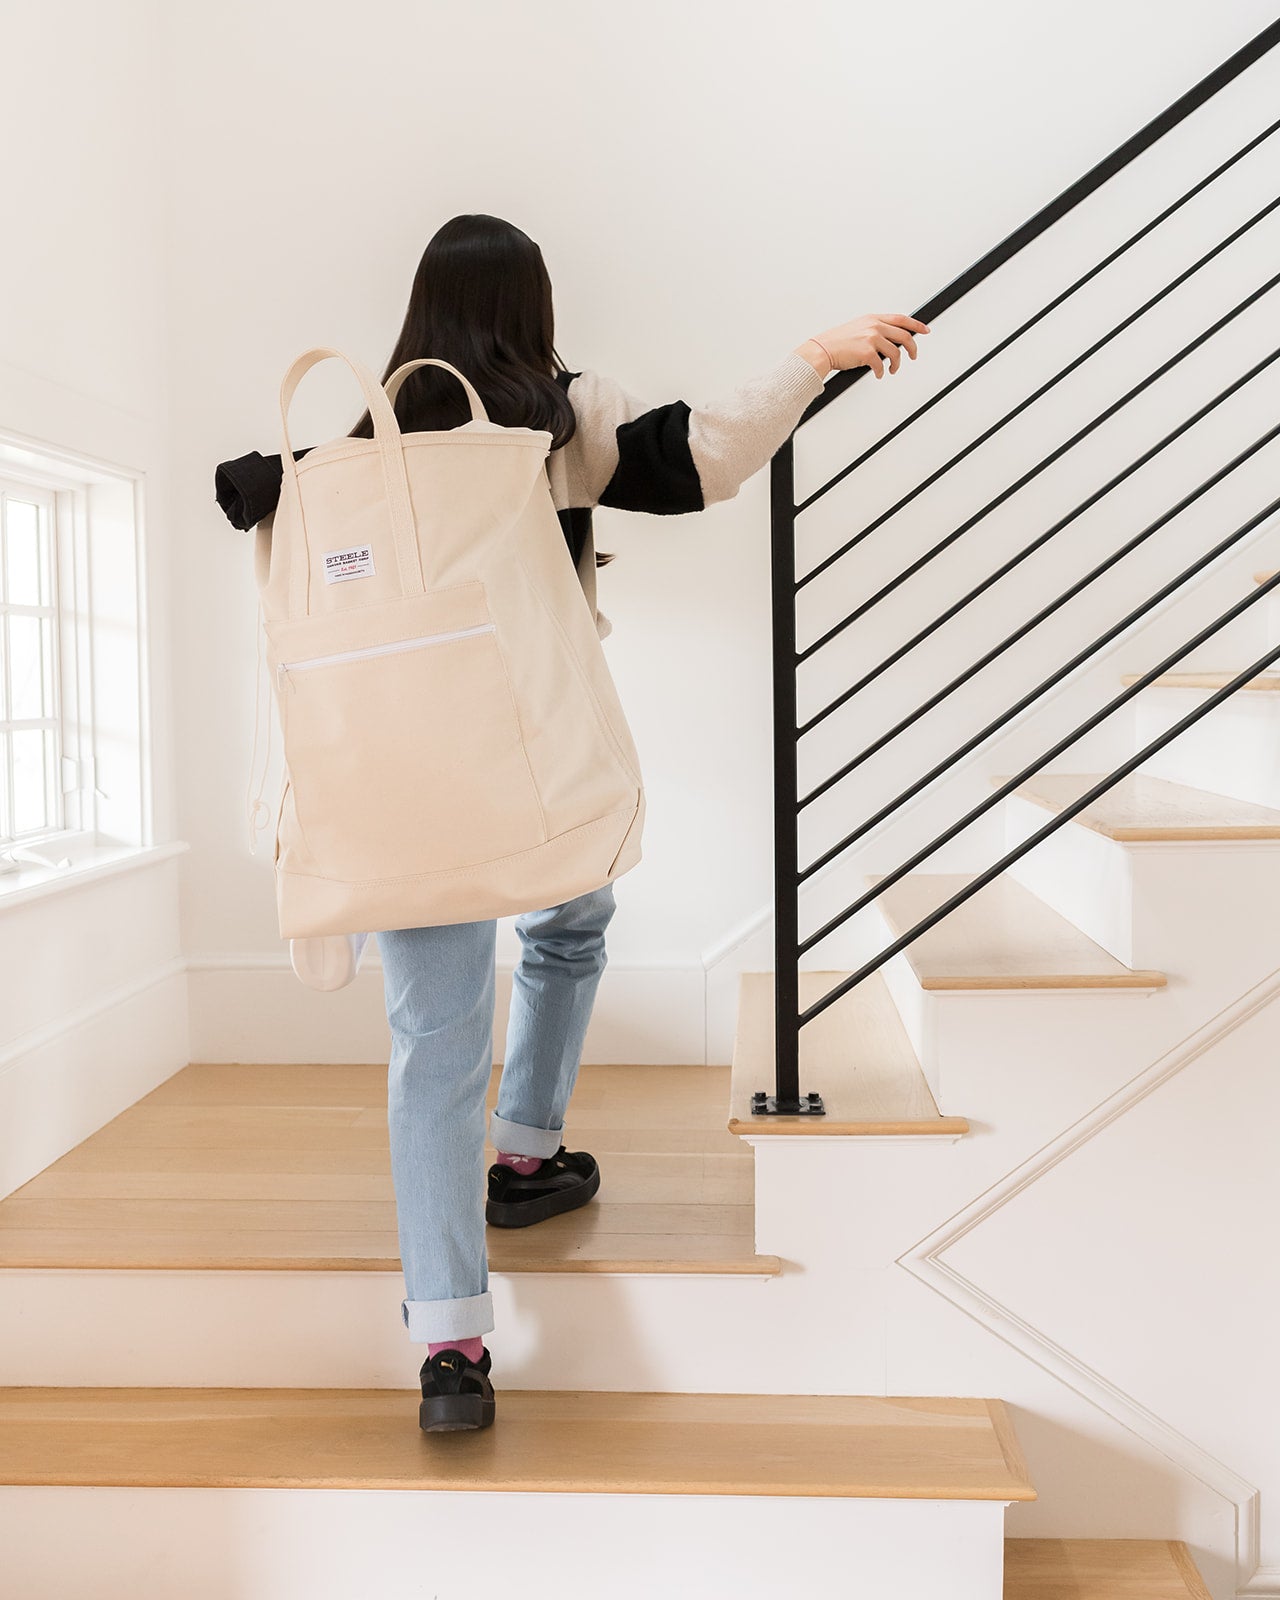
<point x="75" y="779"/>
<point x="30" y="661"/>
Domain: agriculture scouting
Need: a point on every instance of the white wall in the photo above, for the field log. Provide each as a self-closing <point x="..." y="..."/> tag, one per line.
<point x="709" y="185"/>
<point x="218" y="188"/>
<point x="92" y="992"/>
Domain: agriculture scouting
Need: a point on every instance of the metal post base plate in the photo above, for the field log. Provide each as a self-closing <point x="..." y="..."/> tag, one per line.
<point x="769" y="1105"/>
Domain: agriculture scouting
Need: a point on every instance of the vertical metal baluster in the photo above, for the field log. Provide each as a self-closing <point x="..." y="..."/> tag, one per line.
<point x="786" y="1099"/>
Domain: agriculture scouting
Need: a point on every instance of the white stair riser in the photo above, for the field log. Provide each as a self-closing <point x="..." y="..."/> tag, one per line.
<point x="935" y="1019"/>
<point x="344" y="1329"/>
<point x="913" y="1004"/>
<point x="1270" y="608"/>
<point x="1085" y="877"/>
<point x="1234" y="750"/>
<point x="916" y="1013"/>
<point x="336" y="1544"/>
<point x="1045" y="1031"/>
<point x="1183" y="907"/>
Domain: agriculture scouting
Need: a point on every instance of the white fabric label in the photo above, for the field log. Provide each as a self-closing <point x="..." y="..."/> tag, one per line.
<point x="339" y="565"/>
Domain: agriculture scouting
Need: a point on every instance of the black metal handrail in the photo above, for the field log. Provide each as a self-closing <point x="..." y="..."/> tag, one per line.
<point x="1010" y="339"/>
<point x="1019" y="633"/>
<point x="788" y="946"/>
<point x="1076" y="734"/>
<point x="1031" y="474"/>
<point x="1072" y="196"/>
<point x="1016" y="411"/>
<point x="1068" y="812"/>
<point x="1014" y="561"/>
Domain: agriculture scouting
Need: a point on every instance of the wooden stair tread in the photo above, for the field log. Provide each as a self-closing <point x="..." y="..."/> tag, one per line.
<point x="1266" y="682"/>
<point x="543" y="1441"/>
<point x="288" y="1168"/>
<point x="1100" y="1569"/>
<point x="1003" y="938"/>
<point x="856" y="1053"/>
<point x="1141" y="808"/>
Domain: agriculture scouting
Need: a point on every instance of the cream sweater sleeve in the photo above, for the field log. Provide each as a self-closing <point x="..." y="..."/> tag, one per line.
<point x="670" y="458"/>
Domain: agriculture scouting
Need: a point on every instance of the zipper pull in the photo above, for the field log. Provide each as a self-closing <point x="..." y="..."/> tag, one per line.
<point x="283" y="679"/>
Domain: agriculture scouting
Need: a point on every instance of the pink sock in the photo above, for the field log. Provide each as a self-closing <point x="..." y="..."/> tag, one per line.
<point x="524" y="1165"/>
<point x="473" y="1349"/>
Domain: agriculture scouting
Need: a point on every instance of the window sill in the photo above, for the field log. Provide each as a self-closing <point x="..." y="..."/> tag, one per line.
<point x="36" y="882"/>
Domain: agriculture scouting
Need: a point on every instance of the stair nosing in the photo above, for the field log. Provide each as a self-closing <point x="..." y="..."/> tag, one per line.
<point x="1267" y="683"/>
<point x="823" y="1446"/>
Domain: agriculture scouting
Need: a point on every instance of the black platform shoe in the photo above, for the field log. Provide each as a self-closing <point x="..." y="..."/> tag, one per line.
<point x="456" y="1392"/>
<point x="563" y="1182"/>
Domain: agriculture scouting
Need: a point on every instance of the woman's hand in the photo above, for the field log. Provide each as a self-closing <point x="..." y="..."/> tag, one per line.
<point x="864" y="342"/>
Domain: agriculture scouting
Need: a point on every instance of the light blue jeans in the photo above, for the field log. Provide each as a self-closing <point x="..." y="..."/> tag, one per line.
<point x="440" y="994"/>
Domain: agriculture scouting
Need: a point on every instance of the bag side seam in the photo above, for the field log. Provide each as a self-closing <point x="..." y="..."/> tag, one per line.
<point x="584" y="680"/>
<point x="496" y="640"/>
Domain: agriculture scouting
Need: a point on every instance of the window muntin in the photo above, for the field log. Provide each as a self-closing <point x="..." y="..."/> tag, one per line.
<point x="30" y="655"/>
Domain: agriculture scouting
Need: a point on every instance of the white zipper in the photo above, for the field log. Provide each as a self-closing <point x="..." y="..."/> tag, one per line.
<point x="390" y="649"/>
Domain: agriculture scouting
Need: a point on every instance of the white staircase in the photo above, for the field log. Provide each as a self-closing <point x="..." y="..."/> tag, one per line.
<point x="899" y="1496"/>
<point x="758" y="1312"/>
<point x="219" y="1261"/>
<point x="203" y="1296"/>
<point x="1141" y="938"/>
<point x="779" y="1355"/>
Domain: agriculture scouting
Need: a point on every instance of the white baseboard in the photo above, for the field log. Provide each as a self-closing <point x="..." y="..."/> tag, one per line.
<point x="253" y="1008"/>
<point x="62" y="1082"/>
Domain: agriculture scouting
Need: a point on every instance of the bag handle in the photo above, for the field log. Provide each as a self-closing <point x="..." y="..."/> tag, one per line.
<point x="386" y="433"/>
<point x="392" y="385"/>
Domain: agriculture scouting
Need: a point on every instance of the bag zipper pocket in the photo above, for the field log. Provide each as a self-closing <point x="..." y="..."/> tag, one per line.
<point x="393" y="648"/>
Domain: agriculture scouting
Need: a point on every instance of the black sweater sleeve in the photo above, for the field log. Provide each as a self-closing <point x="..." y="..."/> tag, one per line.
<point x="248" y="488"/>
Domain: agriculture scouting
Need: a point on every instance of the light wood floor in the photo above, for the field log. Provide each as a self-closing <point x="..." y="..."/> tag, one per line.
<point x="543" y="1441"/>
<point x="1100" y="1569"/>
<point x="288" y="1168"/>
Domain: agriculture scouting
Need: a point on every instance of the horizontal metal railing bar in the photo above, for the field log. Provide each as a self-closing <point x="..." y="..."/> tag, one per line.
<point x="1198" y="565"/>
<point x="787" y="1023"/>
<point x="1031" y="322"/>
<point x="1045" y="462"/>
<point x="1015" y="561"/>
<point x="1070" y="197"/>
<point x="1065" y="743"/>
<point x="1058" y="821"/>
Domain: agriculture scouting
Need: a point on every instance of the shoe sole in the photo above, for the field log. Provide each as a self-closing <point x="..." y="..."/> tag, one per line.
<point x="524" y="1213"/>
<point x="453" y="1413"/>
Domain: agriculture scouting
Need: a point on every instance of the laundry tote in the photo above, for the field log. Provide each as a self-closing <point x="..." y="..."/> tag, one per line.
<point x="454" y="745"/>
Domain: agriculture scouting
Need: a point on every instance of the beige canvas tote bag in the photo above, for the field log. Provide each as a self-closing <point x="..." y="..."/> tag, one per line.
<point x="454" y="745"/>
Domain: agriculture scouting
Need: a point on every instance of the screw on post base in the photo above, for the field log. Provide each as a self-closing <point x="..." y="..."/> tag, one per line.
<point x="769" y="1105"/>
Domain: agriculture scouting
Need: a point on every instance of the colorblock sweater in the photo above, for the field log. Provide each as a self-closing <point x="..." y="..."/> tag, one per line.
<point x="626" y="452"/>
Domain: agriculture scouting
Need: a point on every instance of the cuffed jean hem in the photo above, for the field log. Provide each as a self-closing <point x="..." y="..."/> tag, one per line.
<point x="434" y="1321"/>
<point x="514" y="1139"/>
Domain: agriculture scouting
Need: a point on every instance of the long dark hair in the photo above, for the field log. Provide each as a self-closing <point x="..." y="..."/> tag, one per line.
<point x="481" y="300"/>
